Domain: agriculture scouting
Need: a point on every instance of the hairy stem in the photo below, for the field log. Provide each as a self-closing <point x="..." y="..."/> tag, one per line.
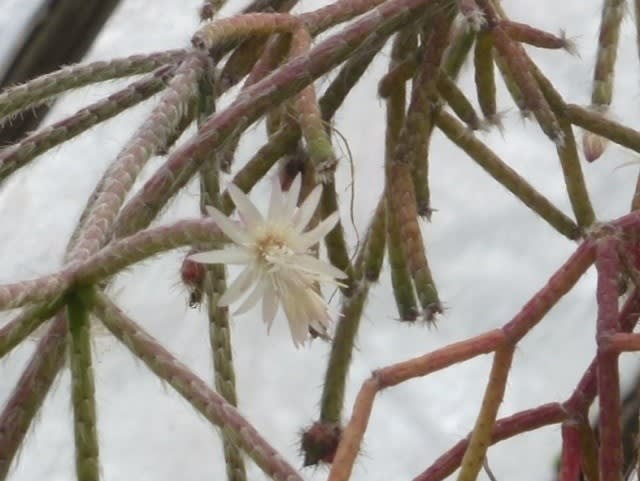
<point x="82" y="386"/>
<point x="30" y="391"/>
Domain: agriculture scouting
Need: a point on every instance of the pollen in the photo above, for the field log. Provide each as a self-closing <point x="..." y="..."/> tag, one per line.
<point x="272" y="245"/>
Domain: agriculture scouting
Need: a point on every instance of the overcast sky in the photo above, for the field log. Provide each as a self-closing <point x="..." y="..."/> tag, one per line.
<point x="488" y="252"/>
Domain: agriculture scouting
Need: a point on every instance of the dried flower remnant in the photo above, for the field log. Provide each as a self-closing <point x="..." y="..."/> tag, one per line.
<point x="280" y="267"/>
<point x="472" y="16"/>
<point x="319" y="443"/>
<point x="192" y="275"/>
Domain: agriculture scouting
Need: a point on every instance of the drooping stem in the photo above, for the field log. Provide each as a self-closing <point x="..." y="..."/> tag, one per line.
<point x="513" y="62"/>
<point x="83" y="386"/>
<point x="401" y="280"/>
<point x="567" y="153"/>
<point x="335" y="380"/>
<point x="214" y="286"/>
<point x="485" y="76"/>
<point x="603" y="73"/>
<point x="505" y="175"/>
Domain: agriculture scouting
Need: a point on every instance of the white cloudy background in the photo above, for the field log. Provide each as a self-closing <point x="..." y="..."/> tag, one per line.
<point x="489" y="254"/>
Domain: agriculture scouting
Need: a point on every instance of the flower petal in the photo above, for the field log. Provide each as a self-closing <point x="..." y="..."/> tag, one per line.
<point x="228" y="255"/>
<point x="252" y="299"/>
<point x="228" y="227"/>
<point x="319" y="317"/>
<point x="291" y="197"/>
<point x="276" y="202"/>
<point x="239" y="286"/>
<point x="288" y="276"/>
<point x="303" y="215"/>
<point x="270" y="303"/>
<point x="294" y="307"/>
<point x="317" y="267"/>
<point x="247" y="210"/>
<point x="318" y="232"/>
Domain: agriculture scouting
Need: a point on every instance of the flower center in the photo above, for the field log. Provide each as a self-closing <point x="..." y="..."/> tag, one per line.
<point x="272" y="245"/>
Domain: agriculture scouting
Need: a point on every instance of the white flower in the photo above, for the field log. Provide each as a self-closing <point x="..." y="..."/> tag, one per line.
<point x="279" y="265"/>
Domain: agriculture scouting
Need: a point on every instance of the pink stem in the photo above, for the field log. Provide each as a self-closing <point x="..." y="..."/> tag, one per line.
<point x="559" y="284"/>
<point x="571" y="453"/>
<point x="610" y="428"/>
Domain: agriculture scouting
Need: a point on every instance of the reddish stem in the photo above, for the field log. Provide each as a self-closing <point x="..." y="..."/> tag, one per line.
<point x="586" y="390"/>
<point x="574" y="407"/>
<point x="620" y="342"/>
<point x="504" y="428"/>
<point x="440" y="359"/>
<point x="628" y="222"/>
<point x="571" y="453"/>
<point x="559" y="284"/>
<point x="610" y="428"/>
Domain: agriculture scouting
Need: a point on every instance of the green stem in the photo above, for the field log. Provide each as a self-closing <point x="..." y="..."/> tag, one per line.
<point x="505" y="175"/>
<point x="214" y="287"/>
<point x="480" y="439"/>
<point x="568" y="154"/>
<point x="347" y="329"/>
<point x="82" y="386"/>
